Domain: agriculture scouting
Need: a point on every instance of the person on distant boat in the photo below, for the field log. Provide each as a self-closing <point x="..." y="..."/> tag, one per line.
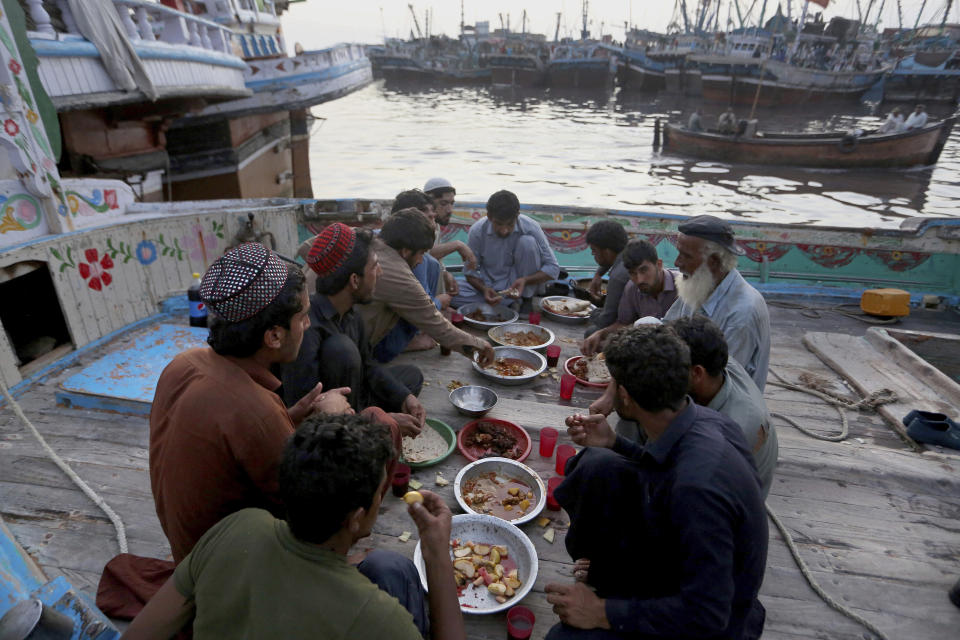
<point x="217" y="427"/>
<point x="513" y="254"/>
<point x="335" y="348"/>
<point x="695" y="124"/>
<point x="607" y="240"/>
<point x="893" y="123"/>
<point x="254" y="575"/>
<point x="399" y="307"/>
<point x="649" y="292"/>
<point x="670" y="537"/>
<point x="727" y="122"/>
<point x="712" y="286"/>
<point x="917" y="119"/>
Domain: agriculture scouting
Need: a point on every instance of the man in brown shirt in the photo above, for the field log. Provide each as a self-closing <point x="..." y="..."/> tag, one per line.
<point x="217" y="429"/>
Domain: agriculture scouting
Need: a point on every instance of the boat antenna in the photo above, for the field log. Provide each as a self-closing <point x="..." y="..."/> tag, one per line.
<point x="523" y="23"/>
<point x="461" y="18"/>
<point x="584" y="32"/>
<point x="556" y="32"/>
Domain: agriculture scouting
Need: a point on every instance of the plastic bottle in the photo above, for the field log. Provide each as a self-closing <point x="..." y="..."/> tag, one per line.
<point x="198" y="310"/>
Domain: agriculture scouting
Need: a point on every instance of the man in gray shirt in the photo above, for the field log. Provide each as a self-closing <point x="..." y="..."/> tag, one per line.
<point x="713" y="287"/>
<point x="606" y="240"/>
<point x="721" y="384"/>
<point x="512" y="254"/>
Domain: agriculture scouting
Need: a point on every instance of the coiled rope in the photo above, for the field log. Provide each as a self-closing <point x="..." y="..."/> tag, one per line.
<point x="870" y="403"/>
<point x="77" y="480"/>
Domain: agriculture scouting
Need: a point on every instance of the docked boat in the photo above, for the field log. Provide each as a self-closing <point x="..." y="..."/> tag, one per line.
<point x="581" y="65"/>
<point x="924" y="77"/>
<point x="844" y="150"/>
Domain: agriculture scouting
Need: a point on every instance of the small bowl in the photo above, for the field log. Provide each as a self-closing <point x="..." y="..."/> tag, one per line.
<point x="448" y="434"/>
<point x="489" y="530"/>
<point x="568" y="367"/>
<point x="505" y="313"/>
<point x="524" y="443"/>
<point x="509" y="469"/>
<point x="500" y="334"/>
<point x="534" y="359"/>
<point x="559" y="317"/>
<point x="473" y="400"/>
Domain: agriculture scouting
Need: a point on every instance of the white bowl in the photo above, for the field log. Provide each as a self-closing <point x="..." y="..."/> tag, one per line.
<point x="489" y="530"/>
<point x="498" y="335"/>
<point x="508" y="469"/>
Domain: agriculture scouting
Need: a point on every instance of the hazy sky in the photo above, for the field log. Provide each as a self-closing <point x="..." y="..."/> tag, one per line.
<point x="317" y="24"/>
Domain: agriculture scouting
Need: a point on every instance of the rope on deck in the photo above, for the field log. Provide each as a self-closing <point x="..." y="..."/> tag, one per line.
<point x="869" y="403"/>
<point x="77" y="480"/>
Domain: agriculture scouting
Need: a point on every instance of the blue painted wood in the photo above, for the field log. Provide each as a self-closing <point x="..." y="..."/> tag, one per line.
<point x="125" y="378"/>
<point x="146" y="51"/>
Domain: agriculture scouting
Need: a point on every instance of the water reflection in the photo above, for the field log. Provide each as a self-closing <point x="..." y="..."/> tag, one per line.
<point x="594" y="148"/>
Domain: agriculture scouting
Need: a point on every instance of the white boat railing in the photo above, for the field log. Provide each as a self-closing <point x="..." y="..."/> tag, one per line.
<point x="144" y="22"/>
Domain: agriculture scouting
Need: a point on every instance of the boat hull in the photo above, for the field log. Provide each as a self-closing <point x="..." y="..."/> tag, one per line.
<point x="581" y="74"/>
<point x="635" y="77"/>
<point x="812" y="150"/>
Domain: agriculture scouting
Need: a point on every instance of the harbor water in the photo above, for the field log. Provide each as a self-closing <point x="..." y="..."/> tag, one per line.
<point x="595" y="149"/>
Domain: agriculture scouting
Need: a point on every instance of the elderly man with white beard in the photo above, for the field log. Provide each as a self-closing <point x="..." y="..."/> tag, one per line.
<point x="712" y="286"/>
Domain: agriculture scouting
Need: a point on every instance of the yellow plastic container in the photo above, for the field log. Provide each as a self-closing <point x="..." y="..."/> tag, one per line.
<point x="885" y="302"/>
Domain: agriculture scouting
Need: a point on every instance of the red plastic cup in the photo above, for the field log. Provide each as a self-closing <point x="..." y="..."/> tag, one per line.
<point x="456" y="318"/>
<point x="567" y="383"/>
<point x="564" y="453"/>
<point x="401" y="479"/>
<point x="534" y="317"/>
<point x="553" y="354"/>
<point x="552" y="484"/>
<point x="520" y="622"/>
<point x="548" y="440"/>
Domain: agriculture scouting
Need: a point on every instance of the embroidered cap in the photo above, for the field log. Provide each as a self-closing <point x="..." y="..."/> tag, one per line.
<point x="331" y="248"/>
<point x="243" y="281"/>
<point x="713" y="229"/>
<point x="437" y="183"/>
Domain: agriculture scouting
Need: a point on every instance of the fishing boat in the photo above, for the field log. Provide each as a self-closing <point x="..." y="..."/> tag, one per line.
<point x="919" y="78"/>
<point x="840" y="150"/>
<point x="92" y="307"/>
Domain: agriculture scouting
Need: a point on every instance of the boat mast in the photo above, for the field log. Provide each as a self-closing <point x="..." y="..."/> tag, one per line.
<point x="803" y="20"/>
<point x="686" y="19"/>
<point x="899" y="15"/>
<point x="917" y="23"/>
<point x="946" y="12"/>
<point x="876" y="23"/>
<point x="523" y="23"/>
<point x="584" y="33"/>
<point x="461" y="19"/>
<point x="556" y="32"/>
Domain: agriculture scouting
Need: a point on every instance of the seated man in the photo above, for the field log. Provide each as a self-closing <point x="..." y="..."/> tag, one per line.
<point x="404" y="239"/>
<point x="606" y="240"/>
<point x="443" y="195"/>
<point x="512" y="254"/>
<point x="217" y="427"/>
<point x="695" y="123"/>
<point x="650" y="292"/>
<point x="255" y="576"/>
<point x="720" y="383"/>
<point x="675" y="531"/>
<point x="917" y="119"/>
<point x="727" y="122"/>
<point x="707" y="258"/>
<point x="335" y="349"/>
<point x="893" y="123"/>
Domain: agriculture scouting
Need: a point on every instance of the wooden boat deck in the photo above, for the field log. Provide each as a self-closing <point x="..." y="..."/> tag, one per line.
<point x="876" y="522"/>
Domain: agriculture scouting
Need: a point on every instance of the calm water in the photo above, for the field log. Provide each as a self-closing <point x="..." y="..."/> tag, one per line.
<point x="595" y="149"/>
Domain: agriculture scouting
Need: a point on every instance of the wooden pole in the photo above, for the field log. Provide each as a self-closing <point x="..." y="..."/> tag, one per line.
<point x="756" y="96"/>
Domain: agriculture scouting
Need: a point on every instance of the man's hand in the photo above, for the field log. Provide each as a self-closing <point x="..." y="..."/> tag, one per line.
<point x="432" y="518"/>
<point x="577" y="605"/>
<point x="519" y="285"/>
<point x="408" y="424"/>
<point x="450" y="284"/>
<point x="591" y="431"/>
<point x="334" y="401"/>
<point x="412" y="407"/>
<point x="596" y="286"/>
<point x="485" y="356"/>
<point x="469" y="259"/>
<point x="444" y="300"/>
<point x="604" y="404"/>
<point x="491" y="296"/>
<point x="581" y="570"/>
<point x="593" y="343"/>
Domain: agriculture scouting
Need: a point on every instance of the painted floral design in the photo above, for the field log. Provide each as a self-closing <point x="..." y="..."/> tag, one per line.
<point x="200" y="245"/>
<point x="146" y="252"/>
<point x="32" y="117"/>
<point x="15" y="67"/>
<point x="96" y="269"/>
<point x="11" y="127"/>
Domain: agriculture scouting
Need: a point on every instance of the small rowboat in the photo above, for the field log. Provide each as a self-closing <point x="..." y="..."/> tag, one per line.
<point x="833" y="149"/>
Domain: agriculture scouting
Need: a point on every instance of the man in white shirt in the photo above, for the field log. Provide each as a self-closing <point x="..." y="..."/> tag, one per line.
<point x="893" y="123"/>
<point x="917" y="119"/>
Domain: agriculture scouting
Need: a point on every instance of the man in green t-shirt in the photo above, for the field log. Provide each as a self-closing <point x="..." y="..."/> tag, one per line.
<point x="255" y="576"/>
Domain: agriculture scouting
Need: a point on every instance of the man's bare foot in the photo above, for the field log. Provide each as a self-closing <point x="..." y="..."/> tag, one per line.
<point x="581" y="569"/>
<point x="421" y="342"/>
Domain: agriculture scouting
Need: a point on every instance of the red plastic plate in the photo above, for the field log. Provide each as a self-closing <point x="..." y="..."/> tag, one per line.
<point x="567" y="367"/>
<point x="524" y="443"/>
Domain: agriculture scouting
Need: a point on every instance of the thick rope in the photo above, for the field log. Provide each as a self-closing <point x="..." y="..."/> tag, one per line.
<point x="816" y="388"/>
<point x="77" y="480"/>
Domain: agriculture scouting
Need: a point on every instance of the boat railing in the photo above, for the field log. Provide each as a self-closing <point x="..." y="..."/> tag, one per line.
<point x="144" y="22"/>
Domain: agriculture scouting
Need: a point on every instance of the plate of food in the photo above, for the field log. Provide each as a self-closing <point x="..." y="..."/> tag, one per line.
<point x="566" y="309"/>
<point x="590" y="371"/>
<point x="435" y="442"/>
<point x="523" y="335"/>
<point x="501" y="487"/>
<point x="512" y="366"/>
<point x="479" y="544"/>
<point x="493" y="438"/>
<point x="483" y="316"/>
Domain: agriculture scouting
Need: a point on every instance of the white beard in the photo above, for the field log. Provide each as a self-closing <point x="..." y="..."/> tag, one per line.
<point x="696" y="288"/>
